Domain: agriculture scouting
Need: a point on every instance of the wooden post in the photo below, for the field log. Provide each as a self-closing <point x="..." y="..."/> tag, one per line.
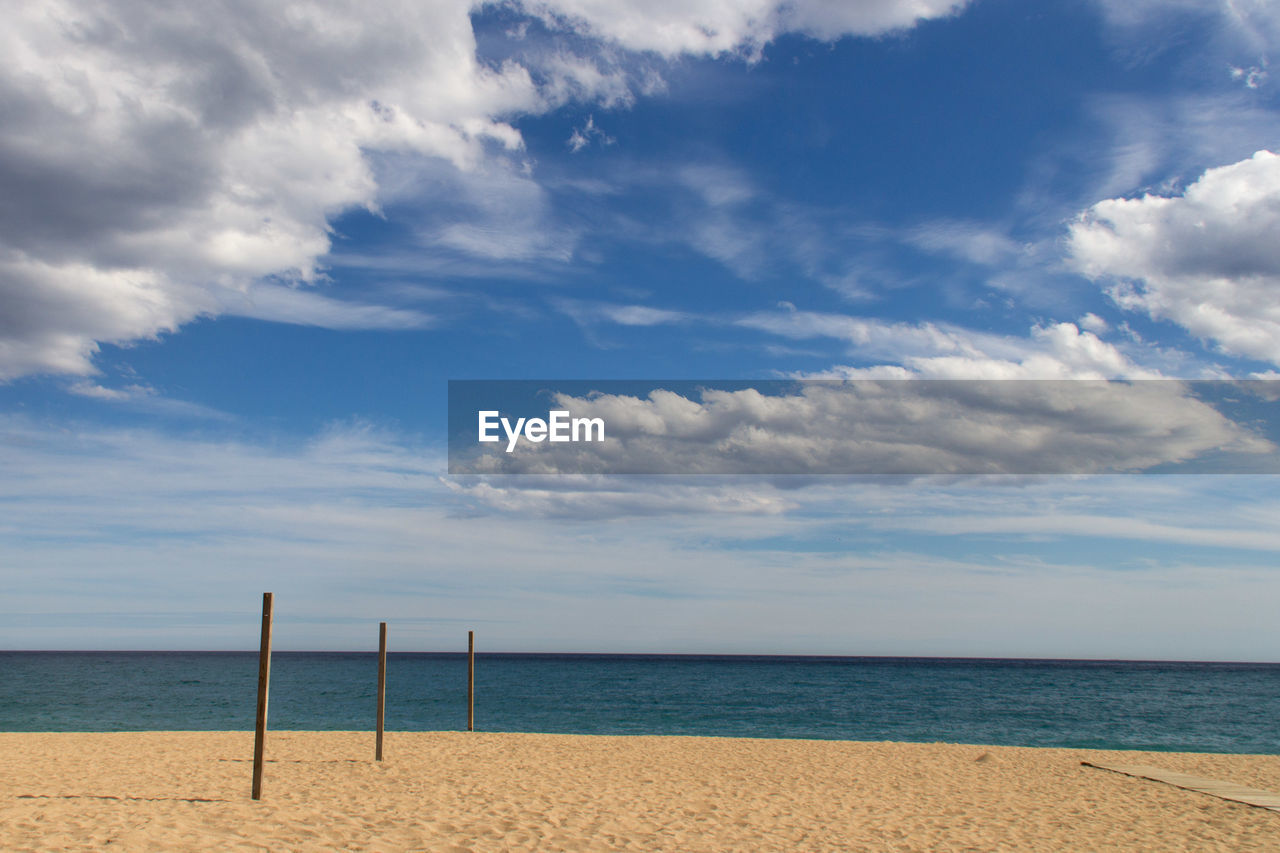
<point x="471" y="681"/>
<point x="264" y="676"/>
<point x="382" y="685"/>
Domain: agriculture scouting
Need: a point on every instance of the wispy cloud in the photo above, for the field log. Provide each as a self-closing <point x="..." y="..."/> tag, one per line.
<point x="145" y="398"/>
<point x="306" y="307"/>
<point x="587" y="134"/>
<point x="588" y="314"/>
<point x="354" y="525"/>
<point x="948" y="351"/>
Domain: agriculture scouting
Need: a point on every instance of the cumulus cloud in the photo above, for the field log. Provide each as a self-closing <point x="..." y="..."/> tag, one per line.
<point x="156" y="164"/>
<point x="1207" y="259"/>
<point x="878" y="427"/>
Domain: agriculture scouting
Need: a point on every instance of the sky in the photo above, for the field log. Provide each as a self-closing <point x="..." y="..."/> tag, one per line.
<point x="245" y="248"/>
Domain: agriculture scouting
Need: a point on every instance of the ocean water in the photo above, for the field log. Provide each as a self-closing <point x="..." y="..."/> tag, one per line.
<point x="1209" y="707"/>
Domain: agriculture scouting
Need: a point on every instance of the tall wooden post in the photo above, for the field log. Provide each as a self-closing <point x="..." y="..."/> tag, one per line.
<point x="471" y="681"/>
<point x="264" y="676"/>
<point x="382" y="685"/>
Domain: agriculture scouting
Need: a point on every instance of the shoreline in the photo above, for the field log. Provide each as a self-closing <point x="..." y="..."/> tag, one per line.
<point x="493" y="791"/>
<point x="272" y="733"/>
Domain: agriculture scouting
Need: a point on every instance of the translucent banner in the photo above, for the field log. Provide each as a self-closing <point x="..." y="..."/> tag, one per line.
<point x="863" y="427"/>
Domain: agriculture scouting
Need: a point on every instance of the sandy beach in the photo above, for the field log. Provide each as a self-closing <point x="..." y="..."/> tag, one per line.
<point x="455" y="791"/>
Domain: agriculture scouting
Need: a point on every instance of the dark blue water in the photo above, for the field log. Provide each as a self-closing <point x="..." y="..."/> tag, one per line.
<point x="1211" y="707"/>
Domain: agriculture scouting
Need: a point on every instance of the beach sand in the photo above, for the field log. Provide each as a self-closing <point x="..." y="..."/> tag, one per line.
<point x="455" y="791"/>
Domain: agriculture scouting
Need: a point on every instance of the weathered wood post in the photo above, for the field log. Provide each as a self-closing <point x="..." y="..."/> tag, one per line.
<point x="264" y="676"/>
<point x="382" y="685"/>
<point x="471" y="681"/>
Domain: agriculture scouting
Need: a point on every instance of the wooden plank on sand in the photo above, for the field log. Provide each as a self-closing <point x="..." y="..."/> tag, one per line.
<point x="1222" y="790"/>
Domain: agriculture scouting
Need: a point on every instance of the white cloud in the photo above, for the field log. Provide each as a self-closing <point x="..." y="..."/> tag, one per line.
<point x="884" y="427"/>
<point x="586" y="498"/>
<point x="154" y="161"/>
<point x="588" y="78"/>
<point x="1146" y="143"/>
<point x="1082" y="524"/>
<point x="115" y="395"/>
<point x="281" y="303"/>
<point x="945" y="351"/>
<point x="104" y="527"/>
<point x="1207" y="259"/>
<point x="970" y="241"/>
<point x="1091" y="322"/>
<point x="157" y="163"/>
<point x="144" y="398"/>
<point x="716" y="210"/>
<point x="585" y="135"/>
<point x="589" y="313"/>
<point x="717" y="185"/>
<point x="1251" y="77"/>
<point x="469" y="222"/>
<point x="1248" y="25"/>
<point x="672" y="27"/>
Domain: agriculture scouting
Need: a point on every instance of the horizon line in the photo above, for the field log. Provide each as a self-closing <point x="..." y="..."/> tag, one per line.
<point x="652" y="654"/>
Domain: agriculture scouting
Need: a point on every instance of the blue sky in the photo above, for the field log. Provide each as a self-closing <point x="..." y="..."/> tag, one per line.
<point x="244" y="250"/>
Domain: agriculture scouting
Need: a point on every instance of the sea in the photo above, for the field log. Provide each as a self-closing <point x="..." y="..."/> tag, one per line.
<point x="1201" y="707"/>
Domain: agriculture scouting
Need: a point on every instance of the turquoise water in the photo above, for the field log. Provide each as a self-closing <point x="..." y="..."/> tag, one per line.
<point x="1212" y="707"/>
